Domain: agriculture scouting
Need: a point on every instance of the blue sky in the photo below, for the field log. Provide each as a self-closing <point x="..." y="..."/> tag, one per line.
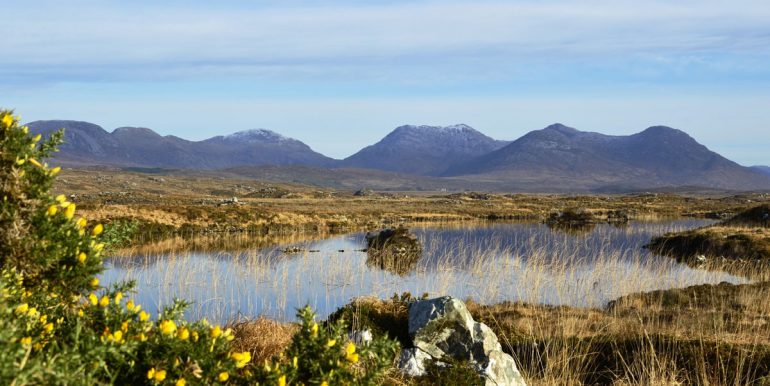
<point x="339" y="75"/>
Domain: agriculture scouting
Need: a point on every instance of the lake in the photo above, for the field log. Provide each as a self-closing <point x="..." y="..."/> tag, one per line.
<point x="489" y="263"/>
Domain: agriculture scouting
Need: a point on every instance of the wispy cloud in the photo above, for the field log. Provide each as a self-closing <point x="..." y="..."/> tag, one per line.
<point x="63" y="41"/>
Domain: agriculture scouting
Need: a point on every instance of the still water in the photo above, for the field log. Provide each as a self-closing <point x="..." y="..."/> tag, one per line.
<point x="486" y="262"/>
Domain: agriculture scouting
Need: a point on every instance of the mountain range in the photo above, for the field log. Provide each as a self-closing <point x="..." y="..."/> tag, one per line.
<point x="86" y="143"/>
<point x="762" y="169"/>
<point x="556" y="158"/>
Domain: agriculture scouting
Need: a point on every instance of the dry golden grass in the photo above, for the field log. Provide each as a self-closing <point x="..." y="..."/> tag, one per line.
<point x="196" y="201"/>
<point x="262" y="337"/>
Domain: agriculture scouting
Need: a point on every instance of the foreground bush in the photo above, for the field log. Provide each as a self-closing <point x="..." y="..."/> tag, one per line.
<point x="59" y="326"/>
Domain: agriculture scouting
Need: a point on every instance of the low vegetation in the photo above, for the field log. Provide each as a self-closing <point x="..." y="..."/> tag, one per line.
<point x="201" y="203"/>
<point x="59" y="326"/>
<point x="739" y="244"/>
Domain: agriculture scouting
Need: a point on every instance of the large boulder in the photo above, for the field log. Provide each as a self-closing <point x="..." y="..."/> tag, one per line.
<point x="443" y="330"/>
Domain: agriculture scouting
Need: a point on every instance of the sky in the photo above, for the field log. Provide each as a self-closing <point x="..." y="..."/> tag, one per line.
<point x="339" y="75"/>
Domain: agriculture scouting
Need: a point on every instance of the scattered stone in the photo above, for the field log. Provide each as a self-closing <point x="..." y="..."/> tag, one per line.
<point x="364" y="193"/>
<point x="361" y="338"/>
<point x="228" y="201"/>
<point x="443" y="330"/>
<point x="413" y="361"/>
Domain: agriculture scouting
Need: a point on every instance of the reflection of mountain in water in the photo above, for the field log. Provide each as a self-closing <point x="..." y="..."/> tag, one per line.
<point x="393" y="250"/>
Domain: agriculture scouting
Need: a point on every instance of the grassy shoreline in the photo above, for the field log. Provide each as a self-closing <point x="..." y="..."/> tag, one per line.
<point x="707" y="334"/>
<point x="192" y="205"/>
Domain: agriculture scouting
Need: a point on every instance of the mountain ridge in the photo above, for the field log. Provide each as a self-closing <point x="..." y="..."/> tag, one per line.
<point x="555" y="158"/>
<point x="655" y="157"/>
<point x="422" y="149"/>
<point x="139" y="146"/>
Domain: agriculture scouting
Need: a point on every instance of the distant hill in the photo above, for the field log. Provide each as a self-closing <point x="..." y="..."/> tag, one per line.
<point x="423" y="150"/>
<point x="660" y="156"/>
<point x="555" y="159"/>
<point x="86" y="143"/>
<point x="762" y="169"/>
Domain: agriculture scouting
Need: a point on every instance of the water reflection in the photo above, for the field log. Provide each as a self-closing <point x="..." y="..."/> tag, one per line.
<point x="486" y="262"/>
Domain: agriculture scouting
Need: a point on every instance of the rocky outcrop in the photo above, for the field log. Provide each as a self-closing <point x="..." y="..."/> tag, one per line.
<point x="393" y="250"/>
<point x="444" y="331"/>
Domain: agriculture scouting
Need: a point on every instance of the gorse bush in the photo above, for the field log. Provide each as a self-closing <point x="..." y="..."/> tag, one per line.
<point x="58" y="325"/>
<point x="321" y="356"/>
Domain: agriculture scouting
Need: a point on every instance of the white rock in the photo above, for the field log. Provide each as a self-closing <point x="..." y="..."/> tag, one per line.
<point x="361" y="338"/>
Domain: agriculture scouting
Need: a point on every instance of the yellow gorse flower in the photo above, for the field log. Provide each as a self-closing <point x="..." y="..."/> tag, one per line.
<point x="52" y="210"/>
<point x="180" y="382"/>
<point x="331" y="343"/>
<point x="350" y="353"/>
<point x="314" y="329"/>
<point x="98" y="229"/>
<point x="156" y="375"/>
<point x="48" y="327"/>
<point x="94" y="282"/>
<point x="223" y="376"/>
<point x="27" y="340"/>
<point x="241" y="358"/>
<point x="60" y="198"/>
<point x="82" y="222"/>
<point x="216" y="332"/>
<point x="34" y="162"/>
<point x="130" y="305"/>
<point x="55" y="171"/>
<point x="118" y="297"/>
<point x="69" y="212"/>
<point x="104" y="301"/>
<point x="144" y="316"/>
<point x="22" y="309"/>
<point x="167" y="327"/>
<point x="93" y="299"/>
<point x="82" y="257"/>
<point x="282" y="380"/>
<point x="117" y="336"/>
<point x="183" y="333"/>
<point x="37" y="138"/>
<point x="7" y="120"/>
